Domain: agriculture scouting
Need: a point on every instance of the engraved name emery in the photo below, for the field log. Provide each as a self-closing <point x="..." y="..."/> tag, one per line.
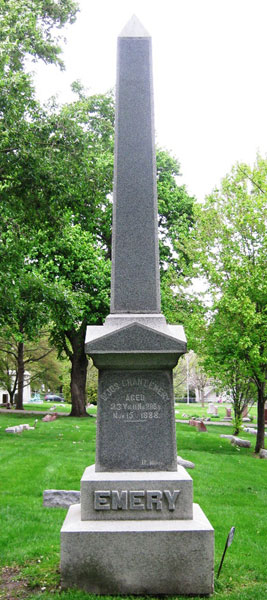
<point x="135" y="499"/>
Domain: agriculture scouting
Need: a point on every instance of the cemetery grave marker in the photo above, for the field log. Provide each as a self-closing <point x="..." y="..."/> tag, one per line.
<point x="137" y="530"/>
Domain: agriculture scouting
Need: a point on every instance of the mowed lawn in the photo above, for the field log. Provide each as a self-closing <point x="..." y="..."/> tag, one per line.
<point x="230" y="484"/>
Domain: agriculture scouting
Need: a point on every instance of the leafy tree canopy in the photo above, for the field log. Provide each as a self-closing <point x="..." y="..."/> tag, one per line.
<point x="229" y="247"/>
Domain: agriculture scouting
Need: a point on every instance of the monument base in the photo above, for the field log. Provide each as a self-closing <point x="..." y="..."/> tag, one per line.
<point x="138" y="557"/>
<point x="144" y="495"/>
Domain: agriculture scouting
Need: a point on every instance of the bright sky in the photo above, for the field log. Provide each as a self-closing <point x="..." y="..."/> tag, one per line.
<point x="210" y="76"/>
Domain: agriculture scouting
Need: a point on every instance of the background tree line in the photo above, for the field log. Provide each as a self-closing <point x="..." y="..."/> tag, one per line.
<point x="56" y="170"/>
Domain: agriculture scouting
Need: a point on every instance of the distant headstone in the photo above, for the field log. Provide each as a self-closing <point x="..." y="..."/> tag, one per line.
<point x="228" y="412"/>
<point x="187" y="464"/>
<point x="136" y="528"/>
<point x="211" y="409"/>
<point x="61" y="498"/>
<point x="18" y="428"/>
<point x="49" y="418"/>
<point x="241" y="443"/>
<point x="237" y="441"/>
<point x="245" y="412"/>
<point x="201" y="427"/>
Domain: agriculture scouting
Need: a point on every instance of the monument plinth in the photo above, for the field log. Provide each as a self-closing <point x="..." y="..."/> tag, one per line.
<point x="137" y="530"/>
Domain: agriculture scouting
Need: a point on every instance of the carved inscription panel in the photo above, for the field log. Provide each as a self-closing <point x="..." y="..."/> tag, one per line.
<point x="135" y="421"/>
<point x="135" y="407"/>
<point x="135" y="499"/>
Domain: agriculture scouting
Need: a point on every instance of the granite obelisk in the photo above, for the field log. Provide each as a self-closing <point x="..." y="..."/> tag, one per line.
<point x="137" y="530"/>
<point x="135" y="350"/>
<point x="135" y="262"/>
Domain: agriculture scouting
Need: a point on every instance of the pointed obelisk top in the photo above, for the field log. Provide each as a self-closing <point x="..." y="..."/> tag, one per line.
<point x="134" y="28"/>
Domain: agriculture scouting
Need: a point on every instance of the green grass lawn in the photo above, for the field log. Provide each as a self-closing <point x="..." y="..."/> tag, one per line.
<point x="59" y="407"/>
<point x="47" y="407"/>
<point x="183" y="411"/>
<point x="63" y="407"/>
<point x="230" y="484"/>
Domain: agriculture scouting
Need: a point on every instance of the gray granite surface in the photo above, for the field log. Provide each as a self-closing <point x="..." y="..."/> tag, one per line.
<point x="138" y="557"/>
<point x="137" y="530"/>
<point x="135" y="423"/>
<point x="130" y="495"/>
<point x="60" y="498"/>
<point x="135" y="284"/>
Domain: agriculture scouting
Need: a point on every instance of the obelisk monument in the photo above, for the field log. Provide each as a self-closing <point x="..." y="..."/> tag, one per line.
<point x="137" y="530"/>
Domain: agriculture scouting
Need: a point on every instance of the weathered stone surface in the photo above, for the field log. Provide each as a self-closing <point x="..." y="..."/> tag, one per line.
<point x="241" y="443"/>
<point x="137" y="557"/>
<point x="135" y="350"/>
<point x="253" y="430"/>
<point x="49" y="418"/>
<point x="134" y="337"/>
<point x="135" y="496"/>
<point x="263" y="453"/>
<point x="202" y="427"/>
<point x="135" y="423"/>
<point x="60" y="498"/>
<point x="18" y="428"/>
<point x="187" y="464"/>
<point x="135" y="274"/>
<point x="237" y="441"/>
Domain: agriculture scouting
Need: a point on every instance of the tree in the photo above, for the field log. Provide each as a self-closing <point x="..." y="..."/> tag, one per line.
<point x="72" y="159"/>
<point x="27" y="30"/>
<point x="198" y="377"/>
<point x="80" y="297"/>
<point x="59" y="198"/>
<point x="23" y="315"/>
<point x="38" y="359"/>
<point x="230" y="243"/>
<point x="73" y="168"/>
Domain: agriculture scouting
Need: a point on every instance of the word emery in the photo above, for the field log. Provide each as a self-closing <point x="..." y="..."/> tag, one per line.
<point x="134" y="499"/>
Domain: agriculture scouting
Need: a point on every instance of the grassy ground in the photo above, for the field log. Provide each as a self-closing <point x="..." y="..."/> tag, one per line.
<point x="46" y="407"/>
<point x="183" y="411"/>
<point x="230" y="484"/>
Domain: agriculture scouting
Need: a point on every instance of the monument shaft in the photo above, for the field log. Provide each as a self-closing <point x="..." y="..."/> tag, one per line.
<point x="135" y="350"/>
<point x="135" y="284"/>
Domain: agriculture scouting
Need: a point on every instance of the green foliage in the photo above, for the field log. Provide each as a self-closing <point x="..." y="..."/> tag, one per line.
<point x="230" y="248"/>
<point x="92" y="381"/>
<point x="27" y="29"/>
<point x="175" y="209"/>
<point x="56" y="172"/>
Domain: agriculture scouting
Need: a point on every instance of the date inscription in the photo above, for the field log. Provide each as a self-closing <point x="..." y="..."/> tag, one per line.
<point x="135" y="399"/>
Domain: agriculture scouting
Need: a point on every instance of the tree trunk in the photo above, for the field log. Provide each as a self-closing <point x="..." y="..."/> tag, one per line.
<point x="260" y="423"/>
<point x="19" y="402"/>
<point x="237" y="420"/>
<point x="79" y="364"/>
